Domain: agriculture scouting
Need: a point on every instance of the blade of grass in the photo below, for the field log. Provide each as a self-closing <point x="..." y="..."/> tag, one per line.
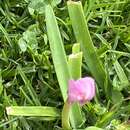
<point x="32" y="111"/>
<point x="6" y="34"/>
<point x="59" y="57"/>
<point x="58" y="52"/>
<point x="121" y="75"/>
<point x="29" y="86"/>
<point x="105" y="46"/>
<point x="1" y="85"/>
<point x="83" y="37"/>
<point x="8" y="122"/>
<point x="26" y="96"/>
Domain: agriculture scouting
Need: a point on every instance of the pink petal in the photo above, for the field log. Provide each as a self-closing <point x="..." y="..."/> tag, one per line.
<point x="81" y="90"/>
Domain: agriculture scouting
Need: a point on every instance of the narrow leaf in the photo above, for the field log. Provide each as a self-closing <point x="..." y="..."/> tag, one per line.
<point x="6" y="34"/>
<point x="121" y="75"/>
<point x="58" y="52"/>
<point x="29" y="86"/>
<point x="1" y="85"/>
<point x="32" y="111"/>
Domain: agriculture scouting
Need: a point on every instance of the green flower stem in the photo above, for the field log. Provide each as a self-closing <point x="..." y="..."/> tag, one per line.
<point x="65" y="116"/>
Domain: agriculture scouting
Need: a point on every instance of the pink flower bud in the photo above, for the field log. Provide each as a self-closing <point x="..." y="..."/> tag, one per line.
<point x="81" y="90"/>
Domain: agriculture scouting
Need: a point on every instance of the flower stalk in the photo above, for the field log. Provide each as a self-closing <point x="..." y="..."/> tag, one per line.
<point x="65" y="116"/>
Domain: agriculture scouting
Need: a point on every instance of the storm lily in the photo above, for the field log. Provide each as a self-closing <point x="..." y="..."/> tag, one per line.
<point x="81" y="90"/>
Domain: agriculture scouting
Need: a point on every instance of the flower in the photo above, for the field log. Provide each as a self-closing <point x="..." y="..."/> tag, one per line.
<point x="81" y="90"/>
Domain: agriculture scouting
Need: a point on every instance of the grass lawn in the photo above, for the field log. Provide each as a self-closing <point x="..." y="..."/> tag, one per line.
<point x="46" y="43"/>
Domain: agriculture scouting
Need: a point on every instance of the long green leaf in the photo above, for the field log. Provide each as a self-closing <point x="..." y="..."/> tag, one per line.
<point x="32" y="111"/>
<point x="58" y="52"/>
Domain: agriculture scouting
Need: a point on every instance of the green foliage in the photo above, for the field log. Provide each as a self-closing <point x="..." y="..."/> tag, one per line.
<point x="38" y="6"/>
<point x="30" y="76"/>
<point x="32" y="111"/>
<point x="58" y="52"/>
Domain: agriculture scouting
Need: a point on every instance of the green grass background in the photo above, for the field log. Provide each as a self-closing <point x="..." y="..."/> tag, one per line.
<point x="27" y="73"/>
